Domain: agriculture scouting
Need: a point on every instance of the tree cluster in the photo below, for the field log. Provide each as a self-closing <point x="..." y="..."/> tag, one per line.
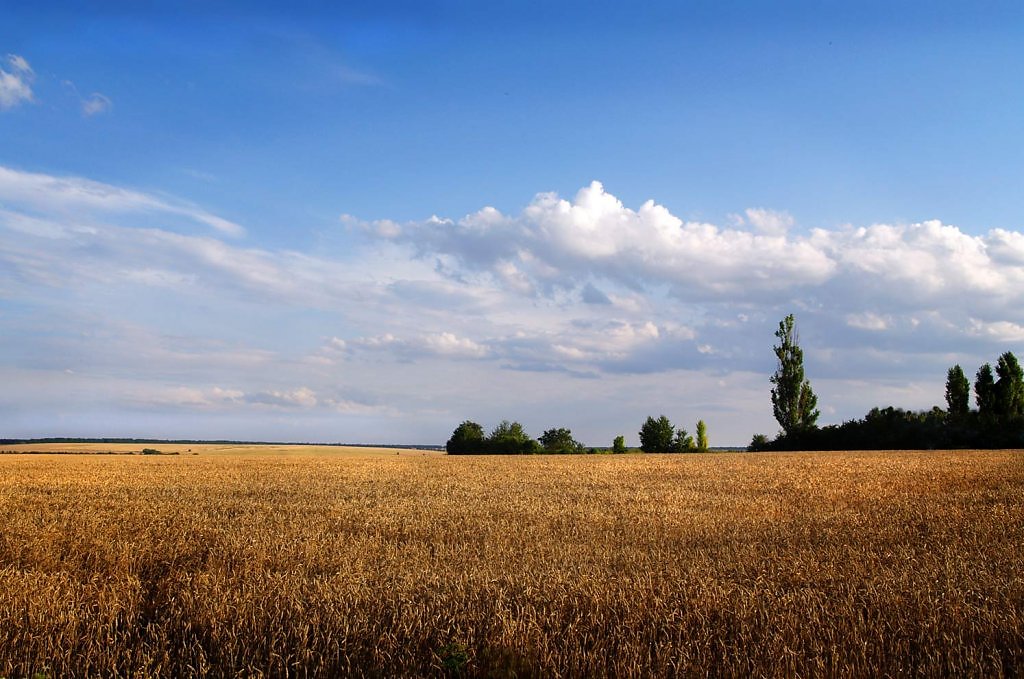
<point x="661" y="436"/>
<point x="996" y="422"/>
<point x="509" y="438"/>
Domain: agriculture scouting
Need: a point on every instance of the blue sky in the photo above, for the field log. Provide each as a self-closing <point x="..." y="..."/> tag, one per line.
<point x="371" y="222"/>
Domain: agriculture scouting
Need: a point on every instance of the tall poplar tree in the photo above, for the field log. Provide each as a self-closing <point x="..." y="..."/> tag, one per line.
<point x="793" y="400"/>
<point x="1009" y="388"/>
<point x="985" y="391"/>
<point x="702" y="435"/>
<point x="958" y="392"/>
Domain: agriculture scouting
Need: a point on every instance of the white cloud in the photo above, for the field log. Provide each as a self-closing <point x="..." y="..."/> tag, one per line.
<point x="95" y="104"/>
<point x="1001" y="331"/>
<point x="866" y="321"/>
<point x="449" y="344"/>
<point x="182" y="397"/>
<point x="442" y="344"/>
<point x="350" y="407"/>
<point x="47" y="193"/>
<point x="656" y="311"/>
<point x="556" y="244"/>
<point x="16" y="83"/>
<point x="769" y="222"/>
<point x="302" y="397"/>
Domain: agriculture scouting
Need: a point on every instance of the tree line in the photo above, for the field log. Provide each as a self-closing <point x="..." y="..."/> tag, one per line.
<point x="997" y="421"/>
<point x="509" y="438"/>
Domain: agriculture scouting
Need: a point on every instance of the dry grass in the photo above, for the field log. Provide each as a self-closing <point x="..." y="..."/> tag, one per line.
<point x="863" y="564"/>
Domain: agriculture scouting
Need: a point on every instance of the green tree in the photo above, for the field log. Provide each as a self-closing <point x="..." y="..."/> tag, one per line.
<point x="702" y="436"/>
<point x="985" y="391"/>
<point x="509" y="438"/>
<point x="958" y="392"/>
<point x="1009" y="388"/>
<point x="619" y="444"/>
<point x="560" y="441"/>
<point x="793" y="401"/>
<point x="758" y="443"/>
<point x="683" y="442"/>
<point x="467" y="438"/>
<point x="657" y="435"/>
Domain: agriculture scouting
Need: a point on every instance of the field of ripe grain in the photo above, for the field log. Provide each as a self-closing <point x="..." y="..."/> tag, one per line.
<point x="862" y="564"/>
<point x="264" y="449"/>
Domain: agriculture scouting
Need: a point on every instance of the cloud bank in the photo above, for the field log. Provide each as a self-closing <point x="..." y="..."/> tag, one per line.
<point x="577" y="312"/>
<point x="555" y="245"/>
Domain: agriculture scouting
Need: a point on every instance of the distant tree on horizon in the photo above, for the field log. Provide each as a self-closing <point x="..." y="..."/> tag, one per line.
<point x="793" y="401"/>
<point x="985" y="391"/>
<point x="758" y="443"/>
<point x="958" y="392"/>
<point x="509" y="438"/>
<point x="467" y="438"/>
<point x="657" y="435"/>
<point x="683" y="442"/>
<point x="702" y="436"/>
<point x="560" y="441"/>
<point x="619" y="444"/>
<point x="1009" y="388"/>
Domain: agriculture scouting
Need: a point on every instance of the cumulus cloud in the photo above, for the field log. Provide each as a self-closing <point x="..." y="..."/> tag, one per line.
<point x="556" y="244"/>
<point x="769" y="222"/>
<point x="15" y="81"/>
<point x="417" y="319"/>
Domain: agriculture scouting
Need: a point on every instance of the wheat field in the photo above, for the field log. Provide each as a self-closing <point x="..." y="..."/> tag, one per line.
<point x="295" y="565"/>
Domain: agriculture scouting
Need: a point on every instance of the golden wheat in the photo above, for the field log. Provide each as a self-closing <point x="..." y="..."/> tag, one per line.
<point x="863" y="564"/>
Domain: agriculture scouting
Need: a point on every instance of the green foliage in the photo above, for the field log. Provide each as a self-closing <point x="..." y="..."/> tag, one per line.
<point x="683" y="442"/>
<point x="793" y="402"/>
<point x="657" y="435"/>
<point x="998" y="422"/>
<point x="1009" y="388"/>
<point x="702" y="436"/>
<point x="150" y="451"/>
<point x="467" y="438"/>
<point x="958" y="392"/>
<point x="985" y="391"/>
<point x="560" y="441"/>
<point x="509" y="438"/>
<point x="619" y="444"/>
<point x="758" y="443"/>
